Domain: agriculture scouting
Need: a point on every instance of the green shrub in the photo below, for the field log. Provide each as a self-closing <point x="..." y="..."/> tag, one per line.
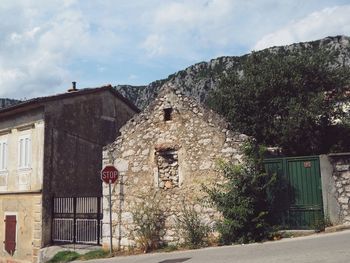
<point x="100" y="253"/>
<point x="168" y="248"/>
<point x="64" y="256"/>
<point x="245" y="199"/>
<point x="149" y="221"/>
<point x="191" y="228"/>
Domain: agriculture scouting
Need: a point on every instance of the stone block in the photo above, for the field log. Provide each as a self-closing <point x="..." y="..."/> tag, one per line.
<point x="128" y="153"/>
<point x="168" y="238"/>
<point x="126" y="242"/>
<point x="37" y="243"/>
<point x="127" y="217"/>
<point x="105" y="230"/>
<point x="343" y="200"/>
<point x="136" y="169"/>
<point x="121" y="164"/>
<point x="37" y="234"/>
<point x="342" y="167"/>
<point x="37" y="217"/>
<point x="228" y="150"/>
<point x="36" y="252"/>
<point x="37" y="226"/>
<point x="346" y="175"/>
<point x="120" y="231"/>
<point x="105" y="155"/>
<point x="205" y="165"/>
<point x="145" y="152"/>
<point x="170" y="232"/>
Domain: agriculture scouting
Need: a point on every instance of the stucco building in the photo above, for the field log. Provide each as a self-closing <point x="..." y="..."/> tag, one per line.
<point x="51" y="146"/>
<point x="170" y="148"/>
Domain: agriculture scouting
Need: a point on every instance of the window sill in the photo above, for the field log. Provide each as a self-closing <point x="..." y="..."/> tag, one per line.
<point x="24" y="169"/>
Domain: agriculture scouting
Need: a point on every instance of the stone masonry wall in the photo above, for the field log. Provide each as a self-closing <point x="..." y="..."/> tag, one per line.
<point x="341" y="176"/>
<point x="172" y="155"/>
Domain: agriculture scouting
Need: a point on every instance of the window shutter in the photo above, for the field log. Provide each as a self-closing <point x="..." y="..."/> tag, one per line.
<point x="21" y="154"/>
<point x="3" y="156"/>
<point x="10" y="234"/>
<point x="2" y="151"/>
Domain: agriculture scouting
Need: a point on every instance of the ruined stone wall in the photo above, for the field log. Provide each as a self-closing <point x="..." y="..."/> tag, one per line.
<point x="171" y="148"/>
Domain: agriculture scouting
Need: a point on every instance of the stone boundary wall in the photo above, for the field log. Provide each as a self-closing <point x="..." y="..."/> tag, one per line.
<point x="335" y="175"/>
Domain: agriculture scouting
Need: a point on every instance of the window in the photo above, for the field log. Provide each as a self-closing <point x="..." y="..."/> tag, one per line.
<point x="167" y="114"/>
<point x="3" y="155"/>
<point x="24" y="152"/>
<point x="10" y="233"/>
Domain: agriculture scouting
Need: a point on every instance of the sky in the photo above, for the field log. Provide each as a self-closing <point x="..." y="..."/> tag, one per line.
<point x="47" y="44"/>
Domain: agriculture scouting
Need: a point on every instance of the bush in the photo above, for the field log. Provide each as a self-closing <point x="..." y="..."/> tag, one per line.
<point x="64" y="256"/>
<point x="245" y="199"/>
<point x="191" y="228"/>
<point x="149" y="221"/>
<point x="100" y="253"/>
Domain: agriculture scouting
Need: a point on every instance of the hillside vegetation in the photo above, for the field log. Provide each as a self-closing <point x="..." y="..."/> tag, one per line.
<point x="292" y="97"/>
<point x="200" y="79"/>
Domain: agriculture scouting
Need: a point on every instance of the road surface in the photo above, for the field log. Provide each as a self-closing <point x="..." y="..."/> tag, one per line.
<point x="329" y="248"/>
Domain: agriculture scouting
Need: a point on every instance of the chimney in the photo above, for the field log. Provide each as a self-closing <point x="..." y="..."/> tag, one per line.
<point x="74" y="87"/>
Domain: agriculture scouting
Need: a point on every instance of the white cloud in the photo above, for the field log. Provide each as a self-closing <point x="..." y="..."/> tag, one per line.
<point x="44" y="45"/>
<point x="155" y="45"/>
<point x="326" y="22"/>
<point x="44" y="40"/>
<point x="182" y="28"/>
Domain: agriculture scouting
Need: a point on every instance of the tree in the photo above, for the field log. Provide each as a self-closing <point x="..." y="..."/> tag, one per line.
<point x="246" y="200"/>
<point x="286" y="98"/>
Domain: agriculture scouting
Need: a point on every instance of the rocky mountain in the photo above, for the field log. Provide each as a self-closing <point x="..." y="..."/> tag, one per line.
<point x="198" y="80"/>
<point x="8" y="102"/>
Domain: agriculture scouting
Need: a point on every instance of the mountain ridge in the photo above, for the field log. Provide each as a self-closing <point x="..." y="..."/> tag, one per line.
<point x="199" y="79"/>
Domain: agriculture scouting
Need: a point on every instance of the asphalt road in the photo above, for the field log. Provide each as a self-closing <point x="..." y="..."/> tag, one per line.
<point x="329" y="248"/>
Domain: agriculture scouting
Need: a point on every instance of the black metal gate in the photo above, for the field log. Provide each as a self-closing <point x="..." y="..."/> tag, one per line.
<point x="77" y="220"/>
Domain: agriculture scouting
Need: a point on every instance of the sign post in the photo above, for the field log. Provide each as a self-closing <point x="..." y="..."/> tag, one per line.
<point x="109" y="175"/>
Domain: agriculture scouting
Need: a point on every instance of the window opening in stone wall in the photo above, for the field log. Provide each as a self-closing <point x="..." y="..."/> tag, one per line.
<point x="167" y="114"/>
<point x="168" y="169"/>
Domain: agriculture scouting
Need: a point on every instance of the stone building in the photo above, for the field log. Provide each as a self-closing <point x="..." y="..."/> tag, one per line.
<point x="171" y="149"/>
<point x="51" y="146"/>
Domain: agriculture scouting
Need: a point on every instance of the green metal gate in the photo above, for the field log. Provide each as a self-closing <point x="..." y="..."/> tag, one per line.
<point x="301" y="201"/>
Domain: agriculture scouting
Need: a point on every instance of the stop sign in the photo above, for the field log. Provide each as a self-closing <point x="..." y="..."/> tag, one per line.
<point x="109" y="174"/>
